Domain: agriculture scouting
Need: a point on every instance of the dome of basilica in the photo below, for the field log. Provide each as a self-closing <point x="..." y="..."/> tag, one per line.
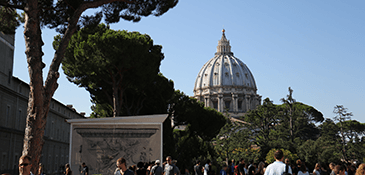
<point x="226" y="83"/>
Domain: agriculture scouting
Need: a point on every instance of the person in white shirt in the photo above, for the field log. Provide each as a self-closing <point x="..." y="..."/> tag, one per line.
<point x="278" y="167"/>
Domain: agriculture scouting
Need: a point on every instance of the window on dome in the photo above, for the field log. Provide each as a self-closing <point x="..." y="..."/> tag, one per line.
<point x="238" y="74"/>
<point x="246" y="75"/>
<point x="226" y="74"/>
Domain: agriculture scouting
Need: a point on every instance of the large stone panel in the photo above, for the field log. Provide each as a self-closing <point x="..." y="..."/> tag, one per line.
<point x="100" y="142"/>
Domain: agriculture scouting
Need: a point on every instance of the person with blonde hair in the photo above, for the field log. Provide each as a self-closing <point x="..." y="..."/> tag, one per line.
<point x="361" y="169"/>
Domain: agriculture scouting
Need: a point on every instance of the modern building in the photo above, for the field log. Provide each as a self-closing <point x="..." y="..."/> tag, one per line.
<point x="13" y="111"/>
<point x="226" y="84"/>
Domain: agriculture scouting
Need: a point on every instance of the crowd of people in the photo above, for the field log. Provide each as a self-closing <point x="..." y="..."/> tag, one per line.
<point x="280" y="166"/>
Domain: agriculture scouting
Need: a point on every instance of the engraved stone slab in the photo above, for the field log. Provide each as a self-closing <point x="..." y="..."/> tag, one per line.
<point x="100" y="142"/>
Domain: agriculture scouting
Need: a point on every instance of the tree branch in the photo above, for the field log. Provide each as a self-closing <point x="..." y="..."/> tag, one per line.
<point x="51" y="82"/>
<point x="3" y="3"/>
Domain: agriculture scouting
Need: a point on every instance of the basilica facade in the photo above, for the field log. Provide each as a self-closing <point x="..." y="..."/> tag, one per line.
<point x="226" y="84"/>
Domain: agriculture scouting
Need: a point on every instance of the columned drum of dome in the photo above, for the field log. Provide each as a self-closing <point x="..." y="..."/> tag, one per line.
<point x="226" y="83"/>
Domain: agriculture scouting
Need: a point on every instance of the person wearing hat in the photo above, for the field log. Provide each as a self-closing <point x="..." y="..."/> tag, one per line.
<point x="156" y="169"/>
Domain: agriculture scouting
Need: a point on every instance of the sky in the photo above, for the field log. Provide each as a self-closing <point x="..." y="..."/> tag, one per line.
<point x="315" y="47"/>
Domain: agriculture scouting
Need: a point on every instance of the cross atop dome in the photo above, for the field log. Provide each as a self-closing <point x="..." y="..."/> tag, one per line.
<point x="223" y="45"/>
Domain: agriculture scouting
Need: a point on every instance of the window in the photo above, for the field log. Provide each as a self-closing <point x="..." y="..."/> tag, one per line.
<point x="49" y="159"/>
<point x="18" y="119"/>
<point x="215" y="105"/>
<point x="52" y="133"/>
<point x="7" y="115"/>
<point x="16" y="160"/>
<point x="240" y="105"/>
<point x="9" y="77"/>
<point x="4" y="161"/>
<point x="227" y="103"/>
<point x="56" y="163"/>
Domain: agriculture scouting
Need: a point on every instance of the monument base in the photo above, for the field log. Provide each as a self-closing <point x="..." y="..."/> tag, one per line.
<point x="99" y="142"/>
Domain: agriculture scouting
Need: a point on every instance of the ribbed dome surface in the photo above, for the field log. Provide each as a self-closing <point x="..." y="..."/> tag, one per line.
<point x="224" y="70"/>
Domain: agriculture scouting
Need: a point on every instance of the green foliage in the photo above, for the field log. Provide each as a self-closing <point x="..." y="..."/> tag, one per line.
<point x="10" y="20"/>
<point x="201" y="126"/>
<point x="349" y="132"/>
<point x="108" y="63"/>
<point x="57" y="14"/>
<point x="204" y="122"/>
<point x="284" y="126"/>
<point x="261" y="123"/>
<point x="154" y="98"/>
<point x="233" y="142"/>
<point x="101" y="110"/>
<point x="287" y="154"/>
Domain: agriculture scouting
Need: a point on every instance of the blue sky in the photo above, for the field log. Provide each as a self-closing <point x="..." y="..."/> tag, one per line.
<point x="315" y="47"/>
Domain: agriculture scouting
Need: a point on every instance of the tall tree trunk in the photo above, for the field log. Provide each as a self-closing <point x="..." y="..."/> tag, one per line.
<point x="38" y="103"/>
<point x="115" y="100"/>
<point x="40" y="95"/>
